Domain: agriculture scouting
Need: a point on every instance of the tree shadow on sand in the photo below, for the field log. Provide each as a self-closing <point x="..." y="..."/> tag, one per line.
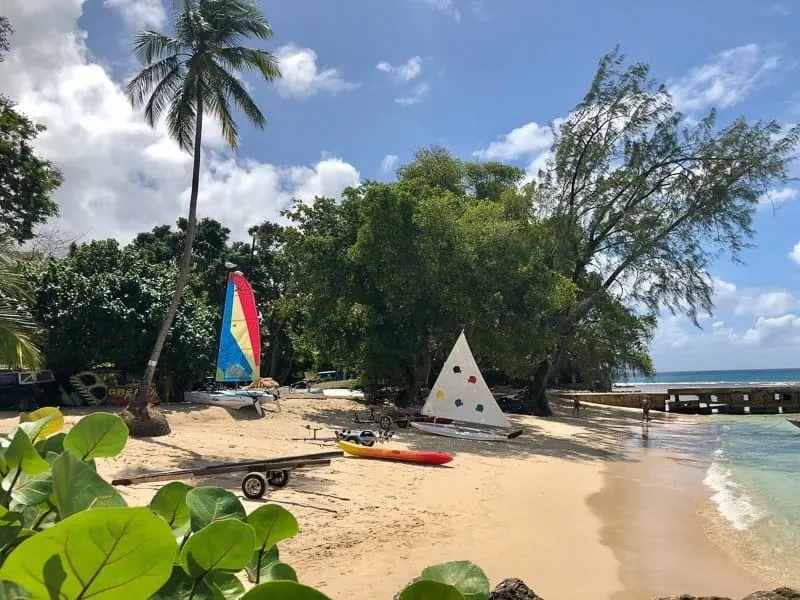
<point x="599" y="433"/>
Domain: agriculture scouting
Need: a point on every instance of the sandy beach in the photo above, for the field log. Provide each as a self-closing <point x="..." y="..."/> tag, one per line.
<point x="571" y="507"/>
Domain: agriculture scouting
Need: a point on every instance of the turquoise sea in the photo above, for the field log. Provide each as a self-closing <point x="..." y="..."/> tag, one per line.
<point x="752" y="462"/>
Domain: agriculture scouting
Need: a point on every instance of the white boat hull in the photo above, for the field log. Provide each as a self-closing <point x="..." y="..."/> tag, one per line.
<point x="342" y="393"/>
<point x="459" y="431"/>
<point x="232" y="399"/>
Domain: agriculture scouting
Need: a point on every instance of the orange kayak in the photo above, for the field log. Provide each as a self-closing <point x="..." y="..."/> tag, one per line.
<point x="426" y="457"/>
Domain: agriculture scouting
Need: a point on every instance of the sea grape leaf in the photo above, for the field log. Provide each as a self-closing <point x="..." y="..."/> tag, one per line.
<point x="464" y="575"/>
<point x="10" y="527"/>
<point x="227" y="583"/>
<point x="259" y="564"/>
<point x="42" y="423"/>
<point x="278" y="571"/>
<point x="22" y="456"/>
<point x="31" y="490"/>
<point x="426" y="589"/>
<point x="286" y="590"/>
<point x="54" y="444"/>
<point x="272" y="524"/>
<point x="11" y="591"/>
<point x="102" y="554"/>
<point x="77" y="487"/>
<point x="208" y="504"/>
<point x="97" y="435"/>
<point x="170" y="503"/>
<point x="181" y="586"/>
<point x="224" y="545"/>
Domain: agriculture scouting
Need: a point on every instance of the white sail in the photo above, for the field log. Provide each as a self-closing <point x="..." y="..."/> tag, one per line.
<point x="460" y="392"/>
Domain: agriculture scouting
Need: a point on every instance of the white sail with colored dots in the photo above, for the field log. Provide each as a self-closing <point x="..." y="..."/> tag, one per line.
<point x="460" y="392"/>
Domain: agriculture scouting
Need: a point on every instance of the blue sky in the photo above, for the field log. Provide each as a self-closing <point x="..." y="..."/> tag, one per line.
<point x="367" y="83"/>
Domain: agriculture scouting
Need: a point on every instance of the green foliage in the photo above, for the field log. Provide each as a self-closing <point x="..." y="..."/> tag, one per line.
<point x="71" y="535"/>
<point x="388" y="276"/>
<point x="26" y="181"/>
<point x="103" y="303"/>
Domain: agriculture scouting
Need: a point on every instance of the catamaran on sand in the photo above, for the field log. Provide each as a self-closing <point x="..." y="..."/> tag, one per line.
<point x="461" y="394"/>
<point x="239" y="355"/>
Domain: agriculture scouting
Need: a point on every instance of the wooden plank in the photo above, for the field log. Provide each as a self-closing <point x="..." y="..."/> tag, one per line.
<point x="263" y="464"/>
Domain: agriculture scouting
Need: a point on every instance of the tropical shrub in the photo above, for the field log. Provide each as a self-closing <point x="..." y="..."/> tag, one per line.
<point x="67" y="533"/>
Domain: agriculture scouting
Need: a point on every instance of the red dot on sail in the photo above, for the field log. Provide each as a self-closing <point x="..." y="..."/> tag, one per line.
<point x="472" y="379"/>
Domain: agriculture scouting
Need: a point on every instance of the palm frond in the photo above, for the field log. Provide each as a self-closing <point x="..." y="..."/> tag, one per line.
<point x="233" y="21"/>
<point x="163" y="94"/>
<point x="149" y="46"/>
<point x="18" y="339"/>
<point x="229" y="86"/>
<point x="182" y="114"/>
<point x="240" y="58"/>
<point x="216" y="103"/>
<point x="150" y="80"/>
<point x="19" y="332"/>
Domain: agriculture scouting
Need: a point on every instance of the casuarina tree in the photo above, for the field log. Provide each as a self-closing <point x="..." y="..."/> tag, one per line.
<point x="186" y="75"/>
<point x="646" y="198"/>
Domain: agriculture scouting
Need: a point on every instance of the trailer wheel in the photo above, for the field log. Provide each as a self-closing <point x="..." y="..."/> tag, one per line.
<point x="385" y="422"/>
<point x="254" y="486"/>
<point x="278" y="479"/>
<point x="402" y="424"/>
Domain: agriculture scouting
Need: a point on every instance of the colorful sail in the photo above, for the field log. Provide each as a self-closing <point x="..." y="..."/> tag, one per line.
<point x="239" y="357"/>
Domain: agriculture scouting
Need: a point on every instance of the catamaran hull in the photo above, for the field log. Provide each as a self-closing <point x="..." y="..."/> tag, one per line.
<point x="231" y="400"/>
<point x="461" y="432"/>
<point x="342" y="393"/>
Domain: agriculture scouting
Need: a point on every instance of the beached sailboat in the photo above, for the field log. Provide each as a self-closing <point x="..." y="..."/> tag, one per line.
<point x="239" y="355"/>
<point x="461" y="394"/>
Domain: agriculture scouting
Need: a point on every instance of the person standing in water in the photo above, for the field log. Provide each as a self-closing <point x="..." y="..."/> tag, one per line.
<point x="646" y="411"/>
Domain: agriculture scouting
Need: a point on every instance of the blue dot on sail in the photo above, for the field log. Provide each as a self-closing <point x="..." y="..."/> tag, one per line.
<point x="459" y="402"/>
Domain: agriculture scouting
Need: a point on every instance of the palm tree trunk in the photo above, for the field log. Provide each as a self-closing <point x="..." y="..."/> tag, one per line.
<point x="140" y="402"/>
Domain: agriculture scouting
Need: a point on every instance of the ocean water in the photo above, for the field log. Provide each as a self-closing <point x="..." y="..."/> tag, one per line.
<point x="751" y="462"/>
<point x="745" y="376"/>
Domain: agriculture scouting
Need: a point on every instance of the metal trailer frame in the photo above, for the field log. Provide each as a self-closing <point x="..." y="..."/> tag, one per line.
<point x="259" y="473"/>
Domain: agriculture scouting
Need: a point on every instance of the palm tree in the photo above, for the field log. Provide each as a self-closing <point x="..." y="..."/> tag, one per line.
<point x="193" y="72"/>
<point x="18" y="331"/>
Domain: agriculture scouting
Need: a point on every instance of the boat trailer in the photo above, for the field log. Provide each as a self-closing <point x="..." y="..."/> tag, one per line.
<point x="259" y="473"/>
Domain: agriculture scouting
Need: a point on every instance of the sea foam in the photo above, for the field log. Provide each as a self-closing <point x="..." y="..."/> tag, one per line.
<point x="732" y="500"/>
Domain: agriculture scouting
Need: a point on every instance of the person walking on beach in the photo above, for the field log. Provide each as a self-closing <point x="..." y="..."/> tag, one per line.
<point x="576" y="406"/>
<point x="646" y="410"/>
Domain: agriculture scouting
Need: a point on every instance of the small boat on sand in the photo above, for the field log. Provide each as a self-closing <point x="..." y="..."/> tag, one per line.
<point x="425" y="457"/>
<point x="239" y="355"/>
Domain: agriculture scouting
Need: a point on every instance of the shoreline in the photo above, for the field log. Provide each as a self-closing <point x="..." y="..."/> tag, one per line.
<point x="651" y="509"/>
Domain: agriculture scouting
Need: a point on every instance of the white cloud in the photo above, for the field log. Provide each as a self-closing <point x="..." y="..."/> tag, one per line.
<point x="522" y="141"/>
<point x="405" y="71"/>
<point x="775" y="197"/>
<point x="302" y="77"/>
<point x="765" y="303"/>
<point x="795" y="253"/>
<point x="725" y="80"/>
<point x="389" y="162"/>
<point x="447" y="7"/>
<point x="780" y="8"/>
<point x="121" y="176"/>
<point x="417" y="95"/>
<point x="139" y="13"/>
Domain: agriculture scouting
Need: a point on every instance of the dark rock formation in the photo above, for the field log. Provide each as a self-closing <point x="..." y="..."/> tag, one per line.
<point x="513" y="589"/>
<point x="783" y="593"/>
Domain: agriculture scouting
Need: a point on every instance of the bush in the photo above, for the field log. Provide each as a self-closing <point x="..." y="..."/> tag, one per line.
<point x="67" y="533"/>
